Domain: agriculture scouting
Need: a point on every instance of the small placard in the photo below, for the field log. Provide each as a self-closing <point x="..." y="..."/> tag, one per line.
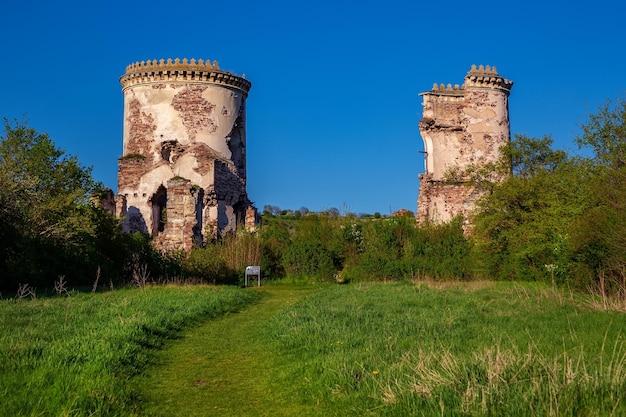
<point x="252" y="270"/>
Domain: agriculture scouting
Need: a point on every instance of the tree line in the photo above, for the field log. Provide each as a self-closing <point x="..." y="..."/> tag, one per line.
<point x="557" y="218"/>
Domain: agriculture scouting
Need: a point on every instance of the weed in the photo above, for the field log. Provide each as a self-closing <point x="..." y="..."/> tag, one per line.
<point x="605" y="299"/>
<point x="60" y="286"/>
<point x="94" y="288"/>
<point x="140" y="275"/>
<point x="24" y="291"/>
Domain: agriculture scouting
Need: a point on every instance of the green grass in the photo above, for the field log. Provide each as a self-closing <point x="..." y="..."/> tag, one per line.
<point x="394" y="349"/>
<point x="223" y="367"/>
<point x="407" y="349"/>
<point x="79" y="355"/>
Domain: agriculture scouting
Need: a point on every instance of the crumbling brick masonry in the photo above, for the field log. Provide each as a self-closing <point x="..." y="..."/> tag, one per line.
<point x="462" y="127"/>
<point x="182" y="176"/>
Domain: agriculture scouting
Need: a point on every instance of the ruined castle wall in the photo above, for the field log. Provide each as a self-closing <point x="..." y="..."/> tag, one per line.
<point x="442" y="132"/>
<point x="228" y="186"/>
<point x="182" y="222"/>
<point x="181" y="113"/>
<point x="486" y="121"/>
<point x="179" y="119"/>
<point x="462" y="127"/>
<point x="445" y="201"/>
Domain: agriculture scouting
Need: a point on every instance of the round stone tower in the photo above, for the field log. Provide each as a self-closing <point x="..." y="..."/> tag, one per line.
<point x="182" y="175"/>
<point x="462" y="127"/>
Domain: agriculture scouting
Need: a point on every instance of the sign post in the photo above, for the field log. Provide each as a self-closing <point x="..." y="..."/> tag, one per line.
<point x="252" y="270"/>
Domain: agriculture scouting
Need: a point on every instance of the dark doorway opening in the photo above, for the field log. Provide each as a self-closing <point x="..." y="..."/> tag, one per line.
<point x="159" y="210"/>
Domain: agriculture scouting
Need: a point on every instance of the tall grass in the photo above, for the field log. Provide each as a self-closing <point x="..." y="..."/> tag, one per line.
<point x="77" y="355"/>
<point x="479" y="349"/>
<point x="225" y="260"/>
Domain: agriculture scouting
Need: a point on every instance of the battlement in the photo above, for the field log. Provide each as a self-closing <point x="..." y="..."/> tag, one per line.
<point x="487" y="77"/>
<point x="489" y="70"/>
<point x="477" y="77"/>
<point x="445" y="90"/>
<point x="188" y="71"/>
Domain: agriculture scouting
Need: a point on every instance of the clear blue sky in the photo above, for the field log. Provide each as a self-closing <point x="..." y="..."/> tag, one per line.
<point x="334" y="105"/>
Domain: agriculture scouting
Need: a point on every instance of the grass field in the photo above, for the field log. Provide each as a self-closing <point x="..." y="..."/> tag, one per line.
<point x="395" y="349"/>
<point x="78" y="355"/>
<point x="472" y="349"/>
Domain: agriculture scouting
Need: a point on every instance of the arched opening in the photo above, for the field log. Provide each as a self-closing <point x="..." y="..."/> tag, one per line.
<point x="239" y="209"/>
<point x="159" y="210"/>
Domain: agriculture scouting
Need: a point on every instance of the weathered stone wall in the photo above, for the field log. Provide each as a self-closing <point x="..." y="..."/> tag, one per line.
<point x="445" y="201"/>
<point x="182" y="225"/>
<point x="184" y="150"/>
<point x="462" y="127"/>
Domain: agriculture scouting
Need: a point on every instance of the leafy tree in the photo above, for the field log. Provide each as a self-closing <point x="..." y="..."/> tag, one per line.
<point x="48" y="227"/>
<point x="531" y="156"/>
<point x="271" y="210"/>
<point x="605" y="134"/>
<point x="47" y="186"/>
<point x="43" y="198"/>
<point x="522" y="225"/>
<point x="598" y="236"/>
<point x="12" y="219"/>
<point x="557" y="217"/>
<point x="333" y="212"/>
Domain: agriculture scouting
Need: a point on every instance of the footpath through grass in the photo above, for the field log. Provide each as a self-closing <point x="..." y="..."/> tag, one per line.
<point x="395" y="349"/>
<point x="225" y="367"/>
<point x="399" y="349"/>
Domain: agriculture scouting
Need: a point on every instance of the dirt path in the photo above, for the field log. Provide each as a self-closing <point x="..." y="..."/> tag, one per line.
<point x="222" y="368"/>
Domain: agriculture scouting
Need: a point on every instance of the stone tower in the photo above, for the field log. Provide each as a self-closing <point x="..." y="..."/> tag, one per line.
<point x="182" y="175"/>
<point x="461" y="127"/>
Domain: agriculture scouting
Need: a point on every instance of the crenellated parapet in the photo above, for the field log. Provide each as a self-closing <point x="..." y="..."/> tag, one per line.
<point x="487" y="77"/>
<point x="447" y="89"/>
<point x="173" y="64"/>
<point x="477" y="77"/>
<point x="187" y="71"/>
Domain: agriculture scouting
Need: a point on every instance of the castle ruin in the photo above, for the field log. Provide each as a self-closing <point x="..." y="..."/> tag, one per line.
<point x="462" y="127"/>
<point x="182" y="174"/>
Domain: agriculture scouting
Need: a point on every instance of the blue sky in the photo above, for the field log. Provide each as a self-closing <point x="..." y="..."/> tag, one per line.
<point x="334" y="105"/>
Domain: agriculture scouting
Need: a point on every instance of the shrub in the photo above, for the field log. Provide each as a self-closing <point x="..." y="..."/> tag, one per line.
<point x="309" y="259"/>
<point x="207" y="265"/>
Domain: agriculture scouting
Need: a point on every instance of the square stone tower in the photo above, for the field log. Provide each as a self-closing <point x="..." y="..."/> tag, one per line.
<point x="182" y="176"/>
<point x="462" y="127"/>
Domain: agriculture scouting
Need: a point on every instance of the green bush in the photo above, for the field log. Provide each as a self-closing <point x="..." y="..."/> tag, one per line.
<point x="311" y="259"/>
<point x="396" y="248"/>
<point x="50" y="228"/>
<point x="274" y="236"/>
<point x="207" y="265"/>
